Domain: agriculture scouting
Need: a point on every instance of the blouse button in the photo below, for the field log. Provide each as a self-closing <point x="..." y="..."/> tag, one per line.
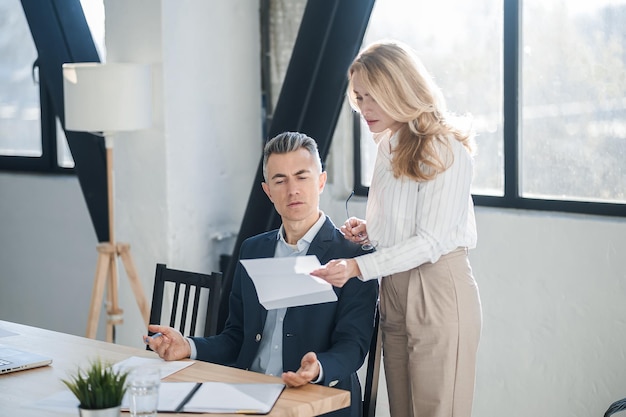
<point x="258" y="337"/>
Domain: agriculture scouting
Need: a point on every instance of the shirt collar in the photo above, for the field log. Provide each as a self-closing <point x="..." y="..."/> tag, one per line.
<point x="305" y="241"/>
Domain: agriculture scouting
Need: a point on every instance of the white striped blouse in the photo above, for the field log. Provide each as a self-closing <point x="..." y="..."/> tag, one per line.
<point x="417" y="222"/>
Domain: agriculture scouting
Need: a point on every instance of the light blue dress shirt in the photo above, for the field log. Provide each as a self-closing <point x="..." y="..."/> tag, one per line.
<point x="269" y="358"/>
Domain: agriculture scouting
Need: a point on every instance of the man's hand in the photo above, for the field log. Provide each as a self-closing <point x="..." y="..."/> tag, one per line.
<point x="338" y="271"/>
<point x="309" y="371"/>
<point x="171" y="345"/>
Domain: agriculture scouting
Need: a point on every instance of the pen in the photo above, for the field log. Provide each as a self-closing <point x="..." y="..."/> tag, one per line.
<point x="154" y="336"/>
<point x="188" y="397"/>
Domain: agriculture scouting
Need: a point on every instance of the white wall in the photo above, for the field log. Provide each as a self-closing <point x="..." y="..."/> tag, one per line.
<point x="553" y="286"/>
<point x="171" y="180"/>
<point x="553" y="289"/>
<point x="47" y="252"/>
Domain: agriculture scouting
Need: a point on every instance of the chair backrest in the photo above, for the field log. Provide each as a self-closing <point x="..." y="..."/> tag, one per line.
<point x="192" y="284"/>
<point x="373" y="371"/>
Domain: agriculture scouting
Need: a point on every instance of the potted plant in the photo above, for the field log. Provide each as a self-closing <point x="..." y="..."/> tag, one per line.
<point x="99" y="389"/>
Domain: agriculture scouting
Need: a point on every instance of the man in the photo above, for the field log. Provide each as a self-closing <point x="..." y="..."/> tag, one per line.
<point x="322" y="343"/>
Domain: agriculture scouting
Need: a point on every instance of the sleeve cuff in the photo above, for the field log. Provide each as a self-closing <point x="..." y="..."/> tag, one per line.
<point x="192" y="346"/>
<point x="367" y="266"/>
<point x="320" y="378"/>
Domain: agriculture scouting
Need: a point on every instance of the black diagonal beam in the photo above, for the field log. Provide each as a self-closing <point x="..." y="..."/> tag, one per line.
<point x="330" y="35"/>
<point x="61" y="35"/>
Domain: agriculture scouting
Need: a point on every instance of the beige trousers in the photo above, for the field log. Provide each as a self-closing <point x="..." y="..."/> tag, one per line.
<point x="431" y="321"/>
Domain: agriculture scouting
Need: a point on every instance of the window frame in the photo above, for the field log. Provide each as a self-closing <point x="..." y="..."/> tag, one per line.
<point x="48" y="161"/>
<point x="512" y="199"/>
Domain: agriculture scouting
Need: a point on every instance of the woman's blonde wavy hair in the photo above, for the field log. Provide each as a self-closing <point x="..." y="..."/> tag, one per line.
<point x="397" y="80"/>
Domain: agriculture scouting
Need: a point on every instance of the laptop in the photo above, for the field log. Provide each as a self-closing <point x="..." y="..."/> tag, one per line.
<point x="12" y="360"/>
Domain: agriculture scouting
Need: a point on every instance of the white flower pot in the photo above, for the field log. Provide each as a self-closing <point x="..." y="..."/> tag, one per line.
<point x="103" y="412"/>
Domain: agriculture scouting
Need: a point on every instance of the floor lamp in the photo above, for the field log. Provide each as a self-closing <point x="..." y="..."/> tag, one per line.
<point x="105" y="99"/>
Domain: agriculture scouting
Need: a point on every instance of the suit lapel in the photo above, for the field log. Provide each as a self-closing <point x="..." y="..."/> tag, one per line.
<point x="323" y="240"/>
<point x="268" y="249"/>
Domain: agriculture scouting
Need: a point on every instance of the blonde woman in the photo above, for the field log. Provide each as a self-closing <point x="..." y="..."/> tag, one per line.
<point x="420" y="214"/>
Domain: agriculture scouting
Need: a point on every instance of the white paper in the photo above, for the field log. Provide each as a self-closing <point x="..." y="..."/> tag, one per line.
<point x="171" y="394"/>
<point x="219" y="397"/>
<point x="5" y="333"/>
<point x="165" y="368"/>
<point x="285" y="282"/>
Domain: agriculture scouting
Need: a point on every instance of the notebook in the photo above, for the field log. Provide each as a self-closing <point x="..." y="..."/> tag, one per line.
<point x="12" y="360"/>
<point x="216" y="397"/>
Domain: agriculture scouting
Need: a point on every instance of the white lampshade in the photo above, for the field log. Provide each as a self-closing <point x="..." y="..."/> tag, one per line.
<point x="110" y="97"/>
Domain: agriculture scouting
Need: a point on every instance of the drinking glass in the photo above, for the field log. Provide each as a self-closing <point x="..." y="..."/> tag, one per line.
<point x="366" y="243"/>
<point x="143" y="388"/>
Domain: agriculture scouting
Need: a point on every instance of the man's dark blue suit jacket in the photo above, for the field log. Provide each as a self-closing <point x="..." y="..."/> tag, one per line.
<point x="338" y="332"/>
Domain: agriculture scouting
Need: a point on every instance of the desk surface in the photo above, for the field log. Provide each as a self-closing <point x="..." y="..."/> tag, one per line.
<point x="19" y="390"/>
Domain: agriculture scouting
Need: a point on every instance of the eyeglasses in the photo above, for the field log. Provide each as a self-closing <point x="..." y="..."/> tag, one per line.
<point x="367" y="245"/>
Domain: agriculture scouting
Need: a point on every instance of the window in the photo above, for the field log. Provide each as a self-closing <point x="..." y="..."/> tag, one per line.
<point x="31" y="136"/>
<point x="20" y="118"/>
<point x="573" y="141"/>
<point x="548" y="105"/>
<point x="460" y="43"/>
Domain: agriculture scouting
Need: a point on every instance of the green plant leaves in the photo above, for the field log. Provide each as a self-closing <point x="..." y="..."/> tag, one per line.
<point x="98" y="386"/>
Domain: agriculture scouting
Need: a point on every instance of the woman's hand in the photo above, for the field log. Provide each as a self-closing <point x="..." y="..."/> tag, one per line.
<point x="338" y="271"/>
<point x="355" y="230"/>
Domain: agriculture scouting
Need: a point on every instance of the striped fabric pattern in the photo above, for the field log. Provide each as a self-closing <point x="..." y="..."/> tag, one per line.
<point x="417" y="222"/>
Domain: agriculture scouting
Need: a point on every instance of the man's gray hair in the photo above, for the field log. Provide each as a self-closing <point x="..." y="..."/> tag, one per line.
<point x="288" y="142"/>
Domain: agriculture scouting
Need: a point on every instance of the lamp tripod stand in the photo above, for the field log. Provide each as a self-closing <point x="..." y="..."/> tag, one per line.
<point x="106" y="270"/>
<point x="111" y="97"/>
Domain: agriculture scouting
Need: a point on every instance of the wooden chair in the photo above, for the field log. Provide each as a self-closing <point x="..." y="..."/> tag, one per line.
<point x="373" y="371"/>
<point x="178" y="314"/>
